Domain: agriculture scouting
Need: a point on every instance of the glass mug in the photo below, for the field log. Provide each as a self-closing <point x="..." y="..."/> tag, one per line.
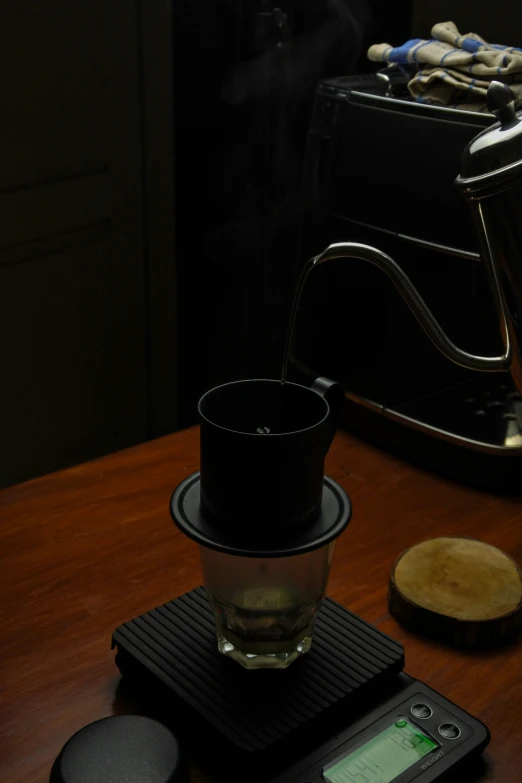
<point x="265" y="607"/>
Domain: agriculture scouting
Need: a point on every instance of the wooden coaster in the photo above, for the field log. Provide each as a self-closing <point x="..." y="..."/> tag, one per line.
<point x="458" y="590"/>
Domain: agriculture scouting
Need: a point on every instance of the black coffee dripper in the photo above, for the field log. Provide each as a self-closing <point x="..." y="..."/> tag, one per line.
<point x="265" y="516"/>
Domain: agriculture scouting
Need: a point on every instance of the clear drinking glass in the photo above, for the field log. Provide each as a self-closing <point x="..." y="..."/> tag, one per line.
<point x="265" y="607"/>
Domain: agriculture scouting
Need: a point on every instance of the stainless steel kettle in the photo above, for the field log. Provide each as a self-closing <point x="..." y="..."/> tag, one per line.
<point x="491" y="180"/>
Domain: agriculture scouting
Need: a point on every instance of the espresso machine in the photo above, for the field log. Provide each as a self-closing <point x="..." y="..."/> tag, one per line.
<point x="380" y="171"/>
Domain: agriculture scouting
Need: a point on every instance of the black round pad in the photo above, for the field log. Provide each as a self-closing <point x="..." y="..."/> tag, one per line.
<point x="121" y="749"/>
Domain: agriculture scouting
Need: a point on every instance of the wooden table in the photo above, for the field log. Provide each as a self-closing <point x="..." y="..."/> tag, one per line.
<point x="88" y="548"/>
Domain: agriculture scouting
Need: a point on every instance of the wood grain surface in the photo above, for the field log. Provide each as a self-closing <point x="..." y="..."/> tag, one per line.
<point x="459" y="590"/>
<point x="88" y="548"/>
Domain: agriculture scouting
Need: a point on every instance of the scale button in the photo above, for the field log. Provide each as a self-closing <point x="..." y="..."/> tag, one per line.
<point x="449" y="730"/>
<point x="421" y="711"/>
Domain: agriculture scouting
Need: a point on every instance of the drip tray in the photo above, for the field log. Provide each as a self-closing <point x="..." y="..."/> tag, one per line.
<point x="173" y="648"/>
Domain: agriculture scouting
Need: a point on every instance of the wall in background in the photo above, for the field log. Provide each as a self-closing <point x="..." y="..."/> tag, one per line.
<point x="242" y="108"/>
<point x="86" y="231"/>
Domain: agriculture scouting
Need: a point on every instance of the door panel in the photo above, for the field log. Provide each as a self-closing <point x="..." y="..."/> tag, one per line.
<point x="73" y="268"/>
<point x="56" y="394"/>
<point x="53" y="69"/>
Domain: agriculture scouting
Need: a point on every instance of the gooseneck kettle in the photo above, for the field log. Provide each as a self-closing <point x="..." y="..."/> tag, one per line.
<point x="491" y="180"/>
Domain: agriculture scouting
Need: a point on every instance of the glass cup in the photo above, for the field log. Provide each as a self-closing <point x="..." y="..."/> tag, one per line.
<point x="265" y="607"/>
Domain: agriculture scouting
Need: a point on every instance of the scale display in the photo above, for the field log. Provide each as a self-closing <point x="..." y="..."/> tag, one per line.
<point x="383" y="757"/>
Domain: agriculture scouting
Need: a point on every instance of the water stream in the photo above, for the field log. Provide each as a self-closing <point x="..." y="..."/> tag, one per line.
<point x="293" y="314"/>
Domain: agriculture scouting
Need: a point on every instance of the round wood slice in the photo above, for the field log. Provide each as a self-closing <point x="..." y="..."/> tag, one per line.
<point x="458" y="590"/>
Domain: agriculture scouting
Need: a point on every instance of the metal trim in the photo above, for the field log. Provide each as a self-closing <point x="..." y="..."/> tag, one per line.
<point x="452" y="437"/>
<point x="458" y="252"/>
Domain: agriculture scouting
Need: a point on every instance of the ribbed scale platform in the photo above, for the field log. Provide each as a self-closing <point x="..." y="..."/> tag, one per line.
<point x="257" y="709"/>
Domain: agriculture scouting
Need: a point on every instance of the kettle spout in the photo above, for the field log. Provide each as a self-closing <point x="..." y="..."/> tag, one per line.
<point x="417" y="305"/>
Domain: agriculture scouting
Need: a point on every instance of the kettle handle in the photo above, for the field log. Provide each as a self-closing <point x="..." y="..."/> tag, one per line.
<point x="333" y="393"/>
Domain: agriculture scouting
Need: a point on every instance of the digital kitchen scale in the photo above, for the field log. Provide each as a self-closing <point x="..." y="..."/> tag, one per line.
<point x="343" y="713"/>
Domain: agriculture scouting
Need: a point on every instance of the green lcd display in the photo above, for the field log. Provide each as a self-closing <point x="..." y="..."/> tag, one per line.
<point x="382" y="758"/>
